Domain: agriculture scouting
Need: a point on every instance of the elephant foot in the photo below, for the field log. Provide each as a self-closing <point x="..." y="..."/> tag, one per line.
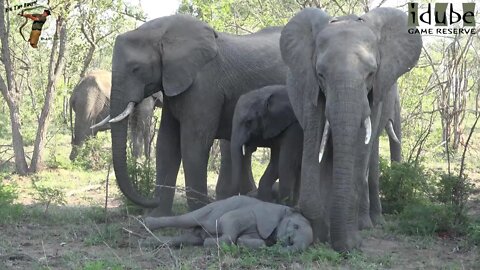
<point x="377" y="219"/>
<point x="364" y="222"/>
<point x="158" y="212"/>
<point x="351" y="242"/>
<point x="320" y="230"/>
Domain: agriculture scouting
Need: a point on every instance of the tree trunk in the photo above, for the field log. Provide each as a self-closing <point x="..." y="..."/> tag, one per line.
<point x="54" y="71"/>
<point x="11" y="96"/>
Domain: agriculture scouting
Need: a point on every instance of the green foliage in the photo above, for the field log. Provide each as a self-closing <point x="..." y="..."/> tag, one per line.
<point x="93" y="155"/>
<point x="8" y="194"/>
<point x="47" y="195"/>
<point x="403" y="184"/>
<point x="101" y="265"/>
<point x="8" y="209"/>
<point x="321" y="253"/>
<point x="426" y="202"/>
<point x="473" y="233"/>
<point x="426" y="219"/>
<point x="142" y="174"/>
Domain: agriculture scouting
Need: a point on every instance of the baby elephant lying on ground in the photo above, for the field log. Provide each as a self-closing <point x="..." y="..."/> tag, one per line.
<point x="239" y="220"/>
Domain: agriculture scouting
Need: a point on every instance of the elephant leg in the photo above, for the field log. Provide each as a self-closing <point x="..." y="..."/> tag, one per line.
<point x="315" y="189"/>
<point x="250" y="242"/>
<point x="362" y="189"/>
<point x="269" y="177"/>
<point x="167" y="162"/>
<point x="223" y="181"/>
<point x="290" y="165"/>
<point x="374" y="188"/>
<point x="195" y="148"/>
<point x="248" y="182"/>
<point x="174" y="241"/>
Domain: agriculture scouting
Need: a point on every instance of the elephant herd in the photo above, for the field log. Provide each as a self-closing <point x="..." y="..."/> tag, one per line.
<point x="317" y="91"/>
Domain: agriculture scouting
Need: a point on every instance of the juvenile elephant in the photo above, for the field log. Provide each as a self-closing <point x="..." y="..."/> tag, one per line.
<point x="201" y="73"/>
<point x="239" y="220"/>
<point x="264" y="118"/>
<point x="341" y="72"/>
<point x="90" y="100"/>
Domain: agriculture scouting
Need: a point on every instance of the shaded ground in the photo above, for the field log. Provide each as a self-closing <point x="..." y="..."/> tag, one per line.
<point x="79" y="235"/>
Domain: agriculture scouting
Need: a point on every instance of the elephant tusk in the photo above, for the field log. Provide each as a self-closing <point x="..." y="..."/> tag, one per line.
<point x="243" y="149"/>
<point x="368" y="129"/>
<point x="391" y="132"/>
<point x="324" y="141"/>
<point x="101" y="123"/>
<point x="124" y="114"/>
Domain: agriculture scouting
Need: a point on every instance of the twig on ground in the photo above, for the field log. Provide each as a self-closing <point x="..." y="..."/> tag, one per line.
<point x="106" y="193"/>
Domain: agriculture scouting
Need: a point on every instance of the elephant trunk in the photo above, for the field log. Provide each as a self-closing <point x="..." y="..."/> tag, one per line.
<point x="350" y="125"/>
<point x="237" y="145"/>
<point x="119" y="154"/>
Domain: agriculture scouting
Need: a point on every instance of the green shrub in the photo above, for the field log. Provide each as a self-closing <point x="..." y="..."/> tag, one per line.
<point x="101" y="265"/>
<point x="8" y="194"/>
<point x="47" y="195"/>
<point x="425" y="218"/>
<point x="142" y="174"/>
<point x="8" y="209"/>
<point x="473" y="233"/>
<point x="403" y="184"/>
<point x="93" y="155"/>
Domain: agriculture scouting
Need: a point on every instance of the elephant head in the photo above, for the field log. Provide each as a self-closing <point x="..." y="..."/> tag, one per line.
<point x="340" y="70"/>
<point x="259" y="115"/>
<point x="294" y="232"/>
<point x="291" y="229"/>
<point x="163" y="54"/>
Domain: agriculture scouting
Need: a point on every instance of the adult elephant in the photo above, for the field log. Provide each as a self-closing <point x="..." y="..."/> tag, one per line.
<point x="90" y="100"/>
<point x="201" y="73"/>
<point x="341" y="72"/>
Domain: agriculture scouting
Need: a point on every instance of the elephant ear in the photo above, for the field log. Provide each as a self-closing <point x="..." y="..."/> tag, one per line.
<point x="278" y="115"/>
<point x="268" y="217"/>
<point x="186" y="46"/>
<point x="297" y="46"/>
<point x="399" y="50"/>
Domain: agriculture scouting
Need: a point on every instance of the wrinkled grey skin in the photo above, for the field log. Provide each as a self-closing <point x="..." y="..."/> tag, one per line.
<point x="264" y="118"/>
<point x="202" y="74"/>
<point x="342" y="71"/>
<point x="90" y="100"/>
<point x="239" y="220"/>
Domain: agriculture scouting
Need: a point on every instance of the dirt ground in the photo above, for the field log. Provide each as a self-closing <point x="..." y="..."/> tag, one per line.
<point x="79" y="235"/>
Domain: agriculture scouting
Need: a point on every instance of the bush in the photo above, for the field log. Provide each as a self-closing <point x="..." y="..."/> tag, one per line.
<point x="142" y="174"/>
<point x="47" y="195"/>
<point x="8" y="194"/>
<point x="8" y="209"/>
<point x="403" y="184"/>
<point x="93" y="155"/>
<point x="426" y="219"/>
<point x="473" y="233"/>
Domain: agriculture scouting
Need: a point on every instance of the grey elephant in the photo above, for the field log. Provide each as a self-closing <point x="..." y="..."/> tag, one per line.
<point x="201" y="73"/>
<point x="264" y="118"/>
<point x="239" y="220"/>
<point x="90" y="100"/>
<point x="340" y="74"/>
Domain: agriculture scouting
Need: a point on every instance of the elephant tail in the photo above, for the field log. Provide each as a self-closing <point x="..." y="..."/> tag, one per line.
<point x="70" y="105"/>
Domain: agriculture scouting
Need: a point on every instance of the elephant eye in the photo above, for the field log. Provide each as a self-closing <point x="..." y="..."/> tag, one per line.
<point x="360" y="20"/>
<point x="295" y="226"/>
